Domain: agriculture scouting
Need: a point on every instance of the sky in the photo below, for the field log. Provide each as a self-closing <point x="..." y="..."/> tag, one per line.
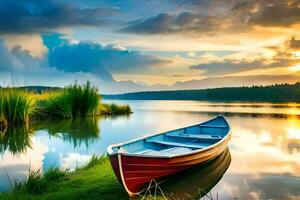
<point x="133" y="45"/>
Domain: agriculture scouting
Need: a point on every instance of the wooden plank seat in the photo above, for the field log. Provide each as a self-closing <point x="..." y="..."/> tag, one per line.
<point x="169" y="151"/>
<point x="194" y="136"/>
<point x="176" y="144"/>
<point x="211" y="126"/>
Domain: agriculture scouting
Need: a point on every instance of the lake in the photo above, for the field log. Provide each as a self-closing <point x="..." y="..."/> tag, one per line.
<point x="263" y="160"/>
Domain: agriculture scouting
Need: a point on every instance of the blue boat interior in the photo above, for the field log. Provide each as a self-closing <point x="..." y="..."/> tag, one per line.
<point x="180" y="141"/>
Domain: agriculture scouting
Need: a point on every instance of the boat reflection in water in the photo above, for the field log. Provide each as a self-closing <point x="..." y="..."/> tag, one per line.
<point x="195" y="182"/>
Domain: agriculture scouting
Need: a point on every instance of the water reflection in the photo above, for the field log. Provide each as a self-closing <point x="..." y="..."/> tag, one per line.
<point x="15" y="139"/>
<point x="265" y="144"/>
<point x="76" y="132"/>
<point x="197" y="182"/>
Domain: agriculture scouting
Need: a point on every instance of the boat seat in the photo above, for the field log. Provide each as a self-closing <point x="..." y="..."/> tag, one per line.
<point x="176" y="144"/>
<point x="178" y="150"/>
<point x="194" y="136"/>
<point x="212" y="126"/>
<point x="143" y="151"/>
<point x="166" y="152"/>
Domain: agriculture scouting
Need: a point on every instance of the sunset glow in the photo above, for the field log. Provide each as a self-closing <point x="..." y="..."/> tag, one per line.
<point x="152" y="45"/>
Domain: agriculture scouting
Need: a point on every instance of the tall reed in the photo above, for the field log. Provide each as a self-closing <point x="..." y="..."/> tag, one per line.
<point x="72" y="101"/>
<point x="16" y="105"/>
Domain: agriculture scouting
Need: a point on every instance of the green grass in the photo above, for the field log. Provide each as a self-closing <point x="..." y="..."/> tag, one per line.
<point x="54" y="174"/>
<point x="114" y="109"/>
<point x="16" y="105"/>
<point x="94" y="161"/>
<point x="34" y="184"/>
<point x="95" y="182"/>
<point x="71" y="102"/>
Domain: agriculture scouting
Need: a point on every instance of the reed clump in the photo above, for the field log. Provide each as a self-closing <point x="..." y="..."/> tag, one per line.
<point x="95" y="160"/>
<point x="71" y="102"/>
<point x="34" y="184"/>
<point x="114" y="109"/>
<point x="19" y="106"/>
<point x="16" y="105"/>
<point x="54" y="174"/>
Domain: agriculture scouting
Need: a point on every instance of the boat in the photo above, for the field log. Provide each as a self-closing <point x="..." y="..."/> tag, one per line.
<point x="138" y="162"/>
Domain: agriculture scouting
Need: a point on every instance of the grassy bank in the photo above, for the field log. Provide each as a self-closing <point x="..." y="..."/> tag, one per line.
<point x="94" y="181"/>
<point x="75" y="101"/>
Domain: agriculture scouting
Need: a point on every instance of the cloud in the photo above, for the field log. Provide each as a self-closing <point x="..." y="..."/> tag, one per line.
<point x="241" y="17"/>
<point x="283" y="57"/>
<point x="16" y="59"/>
<point x="18" y="67"/>
<point x="232" y="66"/>
<point x="294" y="44"/>
<point x="28" y="16"/>
<point x="98" y="58"/>
<point x="275" y="13"/>
<point x="169" y="23"/>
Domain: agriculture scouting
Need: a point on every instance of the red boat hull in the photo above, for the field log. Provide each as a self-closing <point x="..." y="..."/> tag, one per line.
<point x="135" y="173"/>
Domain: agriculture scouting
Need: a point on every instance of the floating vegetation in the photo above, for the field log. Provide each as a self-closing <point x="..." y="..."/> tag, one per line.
<point x="114" y="109"/>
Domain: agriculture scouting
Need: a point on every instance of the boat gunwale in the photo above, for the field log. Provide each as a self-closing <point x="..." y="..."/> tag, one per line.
<point x="111" y="152"/>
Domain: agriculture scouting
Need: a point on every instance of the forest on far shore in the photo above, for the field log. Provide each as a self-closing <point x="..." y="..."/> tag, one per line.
<point x="272" y="93"/>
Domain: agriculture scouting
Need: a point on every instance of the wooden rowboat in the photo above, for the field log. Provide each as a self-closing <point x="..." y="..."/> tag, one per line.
<point x="138" y="162"/>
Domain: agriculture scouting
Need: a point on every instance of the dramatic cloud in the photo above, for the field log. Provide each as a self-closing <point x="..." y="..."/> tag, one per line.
<point x="18" y="67"/>
<point x="17" y="60"/>
<point x="294" y="44"/>
<point x="275" y="13"/>
<point x="97" y="58"/>
<point x="284" y="57"/>
<point x="29" y="16"/>
<point x="169" y="23"/>
<point x="241" y="17"/>
<point x="231" y="66"/>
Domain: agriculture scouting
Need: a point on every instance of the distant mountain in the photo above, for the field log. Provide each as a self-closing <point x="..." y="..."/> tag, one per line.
<point x="216" y="82"/>
<point x="282" y="92"/>
<point x="233" y="81"/>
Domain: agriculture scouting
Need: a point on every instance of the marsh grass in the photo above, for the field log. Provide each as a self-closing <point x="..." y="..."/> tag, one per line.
<point x="54" y="174"/>
<point x="114" y="109"/>
<point x="95" y="160"/>
<point x="70" y="102"/>
<point x="34" y="184"/>
<point x="16" y="105"/>
<point x="37" y="182"/>
<point x="19" y="106"/>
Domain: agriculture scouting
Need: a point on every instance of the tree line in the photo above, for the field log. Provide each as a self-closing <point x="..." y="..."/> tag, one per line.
<point x="274" y="93"/>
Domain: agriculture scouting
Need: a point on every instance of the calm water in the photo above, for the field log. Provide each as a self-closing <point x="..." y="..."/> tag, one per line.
<point x="263" y="161"/>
